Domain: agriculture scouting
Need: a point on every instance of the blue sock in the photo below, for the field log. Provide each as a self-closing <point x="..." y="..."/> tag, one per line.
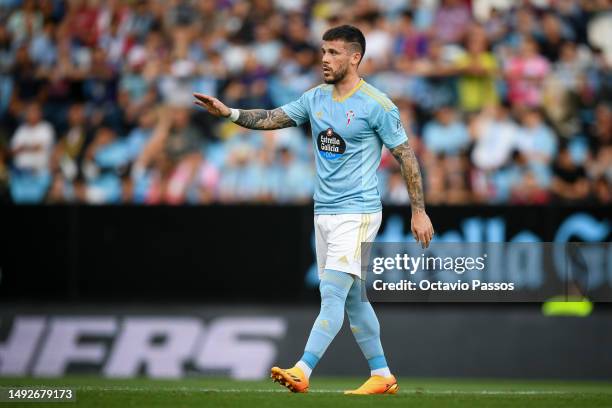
<point x="334" y="288"/>
<point x="365" y="327"/>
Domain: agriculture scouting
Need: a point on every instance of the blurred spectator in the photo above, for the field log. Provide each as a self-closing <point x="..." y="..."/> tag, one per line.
<point x="599" y="161"/>
<point x="446" y="133"/>
<point x="25" y="22"/>
<point x="496" y="137"/>
<point x="4" y="171"/>
<point x="451" y="21"/>
<point x="239" y="181"/>
<point x="571" y="67"/>
<point x="457" y="188"/>
<point x="410" y="43"/>
<point x="537" y="142"/>
<point x="379" y="41"/>
<point x="518" y="183"/>
<point x="603" y="191"/>
<point x="295" y="178"/>
<point x="526" y="73"/>
<point x="114" y="81"/>
<point x="174" y="154"/>
<point x="396" y="192"/>
<point x="524" y="26"/>
<point x="477" y="69"/>
<point x="141" y="19"/>
<point x="446" y="180"/>
<point x="528" y="191"/>
<point x="567" y="88"/>
<point x="101" y="169"/>
<point x="31" y="148"/>
<point x="69" y="151"/>
<point x="267" y="47"/>
<point x="7" y="54"/>
<point x="495" y="26"/>
<point x="434" y="183"/>
<point x="43" y="50"/>
<point x="435" y="84"/>
<point x="569" y="180"/>
<point x="552" y="37"/>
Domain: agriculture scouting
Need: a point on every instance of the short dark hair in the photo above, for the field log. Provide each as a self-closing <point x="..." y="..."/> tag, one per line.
<point x="349" y="34"/>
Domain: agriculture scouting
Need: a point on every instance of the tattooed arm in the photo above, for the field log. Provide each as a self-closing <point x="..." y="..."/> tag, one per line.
<point x="421" y="225"/>
<point x="264" y="119"/>
<point x="411" y="174"/>
<point x="259" y="119"/>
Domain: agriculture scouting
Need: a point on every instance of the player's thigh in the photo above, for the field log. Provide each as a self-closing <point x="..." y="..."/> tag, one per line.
<point x="320" y="241"/>
<point x="344" y="239"/>
<point x="375" y="220"/>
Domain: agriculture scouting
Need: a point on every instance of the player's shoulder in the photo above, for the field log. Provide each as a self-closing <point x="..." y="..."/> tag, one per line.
<point x="376" y="98"/>
<point x="319" y="89"/>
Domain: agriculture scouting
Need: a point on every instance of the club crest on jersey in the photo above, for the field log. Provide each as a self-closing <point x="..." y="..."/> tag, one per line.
<point x="330" y="144"/>
<point x="349" y="115"/>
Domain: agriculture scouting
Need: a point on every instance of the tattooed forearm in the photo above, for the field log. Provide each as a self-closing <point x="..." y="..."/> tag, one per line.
<point x="262" y="119"/>
<point x="411" y="173"/>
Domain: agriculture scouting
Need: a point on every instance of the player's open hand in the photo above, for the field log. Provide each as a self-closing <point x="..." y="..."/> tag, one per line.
<point x="214" y="106"/>
<point x="422" y="230"/>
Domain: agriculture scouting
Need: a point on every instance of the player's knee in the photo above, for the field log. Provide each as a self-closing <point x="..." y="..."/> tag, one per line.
<point x="363" y="320"/>
<point x="331" y="294"/>
<point x="331" y="316"/>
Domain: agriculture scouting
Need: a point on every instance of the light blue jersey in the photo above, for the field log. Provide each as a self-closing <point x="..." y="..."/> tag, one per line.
<point x="347" y="136"/>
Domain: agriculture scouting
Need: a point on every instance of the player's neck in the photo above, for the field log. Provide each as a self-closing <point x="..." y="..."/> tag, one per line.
<point x="348" y="84"/>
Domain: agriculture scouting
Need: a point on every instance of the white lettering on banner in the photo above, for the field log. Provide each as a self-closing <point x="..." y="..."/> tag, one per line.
<point x="62" y="344"/>
<point x="18" y="349"/>
<point x="135" y="347"/>
<point x="223" y="347"/>
<point x="244" y="347"/>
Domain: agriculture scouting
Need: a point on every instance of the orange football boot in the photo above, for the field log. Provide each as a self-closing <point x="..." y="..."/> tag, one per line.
<point x="292" y="378"/>
<point x="376" y="384"/>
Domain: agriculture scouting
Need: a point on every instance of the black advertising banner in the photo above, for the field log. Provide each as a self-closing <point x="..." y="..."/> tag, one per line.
<point x="228" y="253"/>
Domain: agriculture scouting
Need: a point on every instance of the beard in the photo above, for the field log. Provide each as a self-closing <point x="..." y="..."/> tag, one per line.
<point x="336" y="76"/>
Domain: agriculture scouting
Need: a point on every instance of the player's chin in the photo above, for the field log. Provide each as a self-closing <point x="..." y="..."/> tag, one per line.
<point x="329" y="78"/>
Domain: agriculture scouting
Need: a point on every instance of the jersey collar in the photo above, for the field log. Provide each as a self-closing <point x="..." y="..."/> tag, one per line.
<point x="349" y="94"/>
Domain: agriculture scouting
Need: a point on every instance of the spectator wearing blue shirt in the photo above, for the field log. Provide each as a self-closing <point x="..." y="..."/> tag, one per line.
<point x="538" y="143"/>
<point x="294" y="179"/>
<point x="446" y="134"/>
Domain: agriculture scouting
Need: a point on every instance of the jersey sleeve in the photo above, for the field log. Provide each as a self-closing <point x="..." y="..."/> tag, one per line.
<point x="298" y="109"/>
<point x="388" y="126"/>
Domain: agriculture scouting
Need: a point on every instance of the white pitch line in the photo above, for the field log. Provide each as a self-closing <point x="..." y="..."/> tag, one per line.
<point x="264" y="391"/>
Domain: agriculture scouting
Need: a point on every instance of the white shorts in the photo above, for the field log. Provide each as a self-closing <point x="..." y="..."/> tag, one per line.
<point x="338" y="239"/>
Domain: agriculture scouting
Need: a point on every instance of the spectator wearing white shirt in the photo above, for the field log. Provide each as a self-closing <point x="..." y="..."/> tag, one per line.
<point x="496" y="138"/>
<point x="32" y="143"/>
<point x="31" y="148"/>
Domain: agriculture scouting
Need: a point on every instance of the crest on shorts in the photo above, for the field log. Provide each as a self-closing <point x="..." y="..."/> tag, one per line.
<point x="349" y="115"/>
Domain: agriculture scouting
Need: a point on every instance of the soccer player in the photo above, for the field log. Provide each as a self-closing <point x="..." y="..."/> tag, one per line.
<point x="350" y="122"/>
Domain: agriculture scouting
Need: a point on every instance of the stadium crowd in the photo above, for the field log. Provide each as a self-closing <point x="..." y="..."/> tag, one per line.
<point x="504" y="101"/>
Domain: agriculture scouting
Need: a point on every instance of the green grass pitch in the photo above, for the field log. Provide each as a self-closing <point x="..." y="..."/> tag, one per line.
<point x="324" y="392"/>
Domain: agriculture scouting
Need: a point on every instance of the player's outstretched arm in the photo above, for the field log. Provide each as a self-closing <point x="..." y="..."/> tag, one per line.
<point x="264" y="119"/>
<point x="259" y="119"/>
<point x="421" y="225"/>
